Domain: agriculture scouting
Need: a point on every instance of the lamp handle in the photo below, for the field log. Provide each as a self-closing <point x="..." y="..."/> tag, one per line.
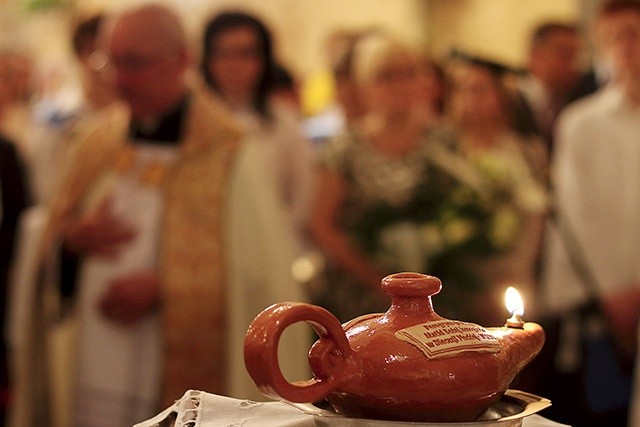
<point x="261" y="351"/>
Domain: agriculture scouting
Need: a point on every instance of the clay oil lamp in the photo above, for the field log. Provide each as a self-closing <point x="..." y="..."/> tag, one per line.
<point x="408" y="364"/>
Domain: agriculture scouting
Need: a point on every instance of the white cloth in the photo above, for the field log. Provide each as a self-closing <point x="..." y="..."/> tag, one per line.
<point x="597" y="183"/>
<point x="199" y="409"/>
<point x="117" y="364"/>
<point x="22" y="322"/>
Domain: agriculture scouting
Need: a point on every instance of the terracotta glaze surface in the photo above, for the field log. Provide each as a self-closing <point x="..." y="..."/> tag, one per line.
<point x="407" y="364"/>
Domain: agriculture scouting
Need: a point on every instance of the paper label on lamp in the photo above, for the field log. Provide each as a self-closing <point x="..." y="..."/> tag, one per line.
<point x="446" y="338"/>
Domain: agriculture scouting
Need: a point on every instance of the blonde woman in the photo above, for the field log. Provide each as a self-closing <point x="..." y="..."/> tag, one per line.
<point x="368" y="181"/>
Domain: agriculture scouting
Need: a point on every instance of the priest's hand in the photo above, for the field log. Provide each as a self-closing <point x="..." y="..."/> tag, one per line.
<point x="99" y="232"/>
<point x="131" y="297"/>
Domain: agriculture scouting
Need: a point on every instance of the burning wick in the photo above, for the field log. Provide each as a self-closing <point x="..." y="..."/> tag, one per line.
<point x="515" y="306"/>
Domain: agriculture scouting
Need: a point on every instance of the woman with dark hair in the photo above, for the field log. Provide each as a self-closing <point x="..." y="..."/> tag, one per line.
<point x="510" y="171"/>
<point x="247" y="49"/>
<point x="238" y="64"/>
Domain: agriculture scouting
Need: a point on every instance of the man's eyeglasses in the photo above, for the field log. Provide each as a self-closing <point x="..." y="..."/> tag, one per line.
<point x="100" y="59"/>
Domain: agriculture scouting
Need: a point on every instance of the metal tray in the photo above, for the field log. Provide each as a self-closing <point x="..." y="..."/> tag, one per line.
<point x="509" y="411"/>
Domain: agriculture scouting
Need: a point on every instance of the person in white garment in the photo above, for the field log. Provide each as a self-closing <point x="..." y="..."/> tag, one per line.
<point x="171" y="244"/>
<point x="238" y="64"/>
<point x="597" y="192"/>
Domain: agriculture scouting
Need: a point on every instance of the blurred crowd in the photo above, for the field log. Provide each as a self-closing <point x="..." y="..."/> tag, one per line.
<point x="145" y="226"/>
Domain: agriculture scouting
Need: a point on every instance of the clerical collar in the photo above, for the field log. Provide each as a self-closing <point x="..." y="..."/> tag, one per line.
<point x="165" y="130"/>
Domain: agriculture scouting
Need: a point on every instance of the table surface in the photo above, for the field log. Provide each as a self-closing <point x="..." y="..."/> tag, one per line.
<point x="201" y="409"/>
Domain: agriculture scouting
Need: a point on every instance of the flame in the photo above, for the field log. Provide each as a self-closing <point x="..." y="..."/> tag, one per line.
<point x="513" y="300"/>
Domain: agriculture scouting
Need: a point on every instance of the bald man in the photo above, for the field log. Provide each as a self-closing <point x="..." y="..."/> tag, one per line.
<point x="169" y="238"/>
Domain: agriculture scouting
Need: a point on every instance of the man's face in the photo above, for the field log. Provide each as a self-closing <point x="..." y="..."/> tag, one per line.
<point x="147" y="71"/>
<point x="556" y="61"/>
<point x="618" y="35"/>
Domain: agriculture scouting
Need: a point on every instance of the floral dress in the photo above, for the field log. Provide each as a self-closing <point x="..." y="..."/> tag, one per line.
<point x="382" y="191"/>
<point x="434" y="211"/>
<point x="489" y="233"/>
